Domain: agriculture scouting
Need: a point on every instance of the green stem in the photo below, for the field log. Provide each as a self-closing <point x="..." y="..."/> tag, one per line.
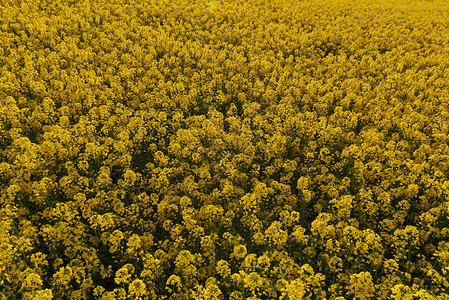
<point x="10" y="291"/>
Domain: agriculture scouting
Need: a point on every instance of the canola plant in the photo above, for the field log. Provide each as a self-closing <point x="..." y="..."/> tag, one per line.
<point x="224" y="149"/>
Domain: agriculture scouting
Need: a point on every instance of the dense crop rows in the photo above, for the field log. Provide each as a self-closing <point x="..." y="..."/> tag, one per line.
<point x="224" y="149"/>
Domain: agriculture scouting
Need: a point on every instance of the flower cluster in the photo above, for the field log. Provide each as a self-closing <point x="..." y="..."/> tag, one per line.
<point x="223" y="149"/>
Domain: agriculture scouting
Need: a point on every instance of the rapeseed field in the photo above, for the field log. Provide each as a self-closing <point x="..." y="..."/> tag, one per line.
<point x="224" y="149"/>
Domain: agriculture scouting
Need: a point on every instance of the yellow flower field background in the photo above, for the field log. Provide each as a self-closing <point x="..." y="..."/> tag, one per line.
<point x="224" y="149"/>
